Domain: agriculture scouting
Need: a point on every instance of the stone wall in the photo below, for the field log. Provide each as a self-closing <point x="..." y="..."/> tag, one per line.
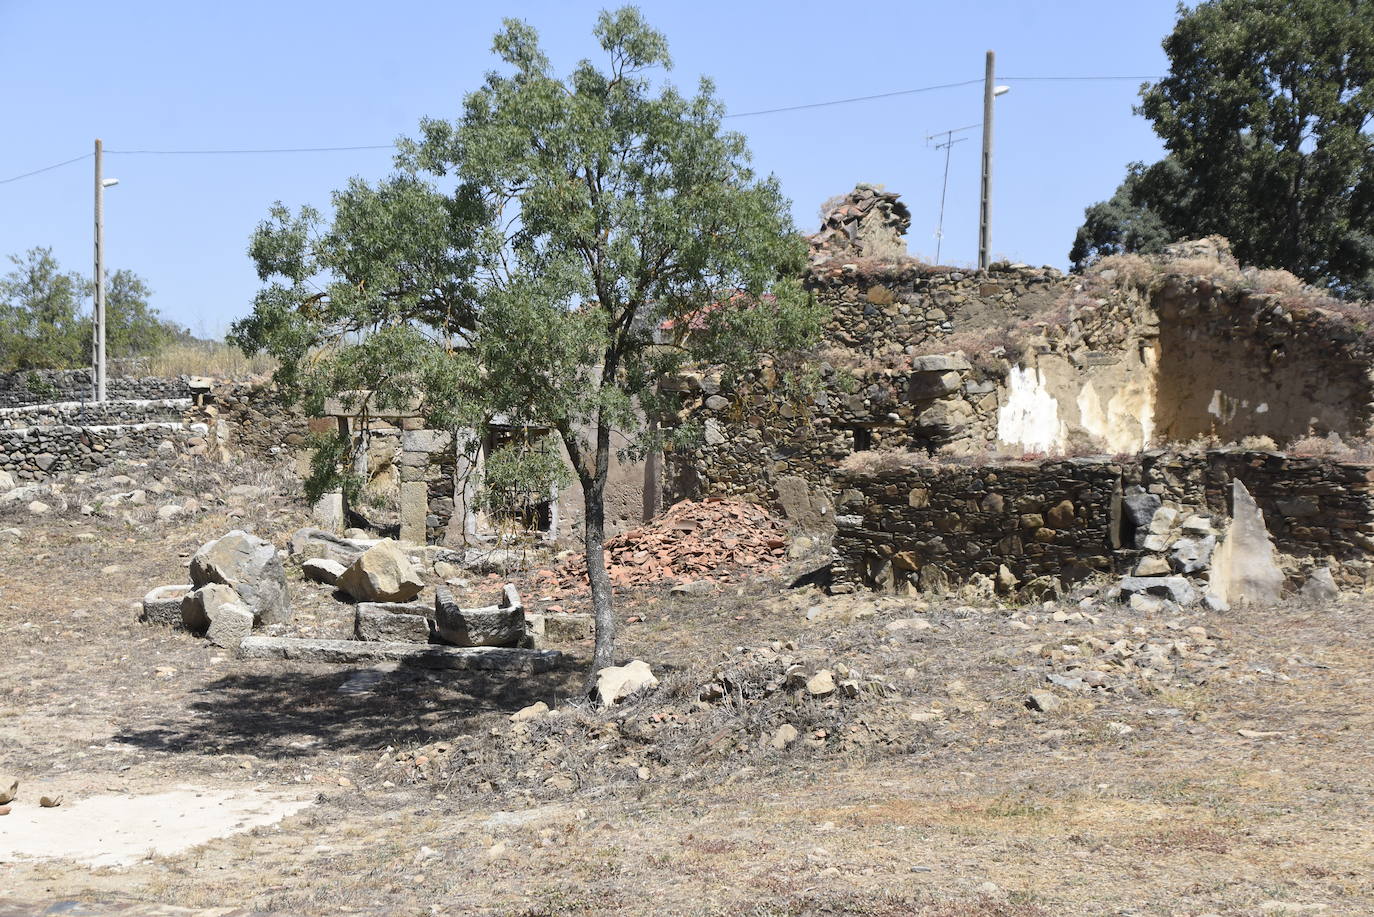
<point x="93" y="413"/>
<point x="923" y="526"/>
<point x="929" y="526"/>
<point x="42" y="386"/>
<point x="35" y="453"/>
<point x="251" y="419"/>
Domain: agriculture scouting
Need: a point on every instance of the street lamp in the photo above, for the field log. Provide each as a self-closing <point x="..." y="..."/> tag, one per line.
<point x="101" y="184"/>
<point x="990" y="92"/>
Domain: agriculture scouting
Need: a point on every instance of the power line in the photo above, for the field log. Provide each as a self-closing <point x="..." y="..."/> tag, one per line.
<point x="740" y="114"/>
<point x="881" y="95"/>
<point x="299" y="149"/>
<point x="56" y="165"/>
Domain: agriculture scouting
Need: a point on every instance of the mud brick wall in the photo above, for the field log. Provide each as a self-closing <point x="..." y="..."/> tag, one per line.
<point x="41" y="386"/>
<point x="78" y="413"/>
<point x="926" y="524"/>
<point x="36" y="453"/>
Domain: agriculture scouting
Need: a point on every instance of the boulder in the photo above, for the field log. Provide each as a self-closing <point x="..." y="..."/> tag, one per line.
<point x="1320" y="586"/>
<point x="389" y="626"/>
<point x="1174" y="588"/>
<point x="1190" y="555"/>
<point x="162" y="606"/>
<point x="492" y="625"/>
<point x="617" y="682"/>
<point x="1244" y="567"/>
<point x="311" y="543"/>
<point x="218" y="612"/>
<point x="249" y="566"/>
<point x="6" y="481"/>
<point x="382" y="573"/>
<point x="322" y="570"/>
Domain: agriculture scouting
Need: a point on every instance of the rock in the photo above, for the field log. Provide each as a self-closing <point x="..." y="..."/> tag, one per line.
<point x="1043" y="701"/>
<point x="1041" y="589"/>
<point x="902" y="624"/>
<point x="6" y="481"/>
<point x="39" y="508"/>
<point x="1197" y="525"/>
<point x="696" y="587"/>
<point x="1006" y="580"/>
<point x="217" y="612"/>
<point x="162" y="606"/>
<point x="249" y="566"/>
<point x="169" y="512"/>
<point x="322" y="570"/>
<point x="310" y="543"/>
<point x="822" y="684"/>
<point x="1163" y="521"/>
<point x="1152" y="565"/>
<point x="1215" y="602"/>
<point x="423" y="655"/>
<point x="383" y="573"/>
<point x="1174" y="588"/>
<point x="8" y="795"/>
<point x="568" y="627"/>
<point x="617" y="682"/>
<point x="1320" y="586"/>
<point x="375" y="625"/>
<point x="230" y="624"/>
<point x="1061" y="515"/>
<point x="493" y="625"/>
<point x="1190" y="555"/>
<point x="1244" y="568"/>
<point x="784" y="736"/>
<point x="533" y="712"/>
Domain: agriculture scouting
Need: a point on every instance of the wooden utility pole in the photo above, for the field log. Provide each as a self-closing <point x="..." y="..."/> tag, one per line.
<point x="99" y="276"/>
<point x="985" y="210"/>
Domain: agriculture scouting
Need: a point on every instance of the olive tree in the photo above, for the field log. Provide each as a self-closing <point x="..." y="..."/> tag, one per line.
<point x="540" y="258"/>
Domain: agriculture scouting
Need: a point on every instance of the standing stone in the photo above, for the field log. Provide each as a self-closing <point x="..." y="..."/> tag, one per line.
<point x="414" y="509"/>
<point x="329" y="512"/>
<point x="1244" y="568"/>
<point x="383" y="573"/>
<point x="249" y="566"/>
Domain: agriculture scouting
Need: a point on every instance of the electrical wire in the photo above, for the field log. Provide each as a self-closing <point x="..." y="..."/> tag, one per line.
<point x="739" y="114"/>
<point x="56" y="165"/>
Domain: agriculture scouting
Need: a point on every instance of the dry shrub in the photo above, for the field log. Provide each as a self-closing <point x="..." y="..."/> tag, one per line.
<point x="861" y="365"/>
<point x="1332" y="447"/>
<point x="877" y="461"/>
<point x="1130" y="270"/>
<point x="209" y="358"/>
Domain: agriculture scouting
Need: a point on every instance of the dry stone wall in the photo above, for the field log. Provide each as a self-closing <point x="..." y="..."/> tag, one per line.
<point x="94" y="413"/>
<point x="36" y="453"/>
<point x="924" y="527"/>
<point x="43" y="386"/>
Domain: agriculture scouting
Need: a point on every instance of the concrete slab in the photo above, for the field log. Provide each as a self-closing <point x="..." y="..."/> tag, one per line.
<point x="476" y="658"/>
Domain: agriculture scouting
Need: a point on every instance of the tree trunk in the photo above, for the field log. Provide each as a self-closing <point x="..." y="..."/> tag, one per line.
<point x="603" y="605"/>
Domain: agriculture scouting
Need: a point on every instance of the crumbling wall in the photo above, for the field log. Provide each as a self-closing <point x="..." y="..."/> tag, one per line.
<point x="923" y="526"/>
<point x="37" y="453"/>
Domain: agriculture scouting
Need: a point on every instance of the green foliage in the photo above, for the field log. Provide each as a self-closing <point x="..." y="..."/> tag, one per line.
<point x="331" y="467"/>
<point x="1124" y="223"/>
<point x="40" y="315"/>
<point x="1264" y="114"/>
<point x="518" y="476"/>
<point x="546" y="258"/>
<point x="45" y="324"/>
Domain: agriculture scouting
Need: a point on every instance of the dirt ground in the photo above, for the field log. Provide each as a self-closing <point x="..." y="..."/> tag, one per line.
<point x="1230" y="775"/>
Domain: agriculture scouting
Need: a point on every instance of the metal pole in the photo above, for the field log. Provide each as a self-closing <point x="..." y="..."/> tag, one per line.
<point x="985" y="211"/>
<point x="99" y="277"/>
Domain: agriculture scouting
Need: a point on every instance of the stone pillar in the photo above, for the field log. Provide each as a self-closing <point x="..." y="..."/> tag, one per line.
<point x="414" y="510"/>
<point x="329" y="512"/>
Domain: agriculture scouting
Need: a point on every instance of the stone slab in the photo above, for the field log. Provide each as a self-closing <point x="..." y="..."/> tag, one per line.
<point x="471" y="658"/>
<point x="390" y="626"/>
<point x="162" y="606"/>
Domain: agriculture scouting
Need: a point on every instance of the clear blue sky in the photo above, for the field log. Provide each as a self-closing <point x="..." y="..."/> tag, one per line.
<point x="300" y="73"/>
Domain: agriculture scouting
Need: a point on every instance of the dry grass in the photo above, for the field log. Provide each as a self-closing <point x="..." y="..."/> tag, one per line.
<point x="210" y="358"/>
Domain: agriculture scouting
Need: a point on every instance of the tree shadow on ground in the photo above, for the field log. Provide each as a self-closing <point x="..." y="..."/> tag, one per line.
<point x="298" y="711"/>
